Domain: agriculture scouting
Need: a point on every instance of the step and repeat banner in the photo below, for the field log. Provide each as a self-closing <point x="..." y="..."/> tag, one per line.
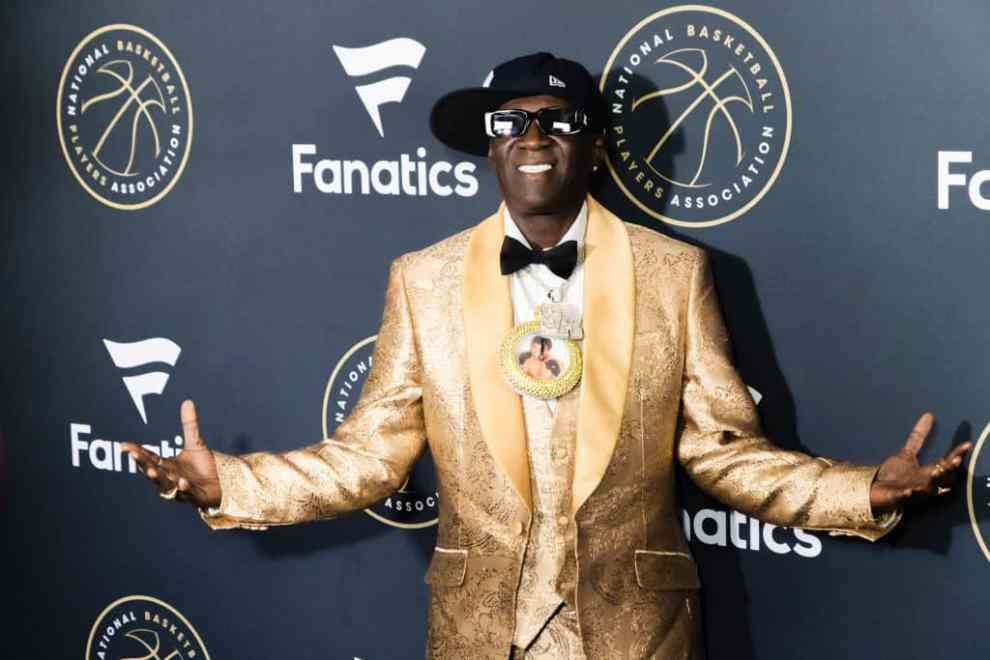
<point x="201" y="200"/>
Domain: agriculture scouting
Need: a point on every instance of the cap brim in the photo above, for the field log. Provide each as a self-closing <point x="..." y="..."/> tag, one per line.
<point x="458" y="118"/>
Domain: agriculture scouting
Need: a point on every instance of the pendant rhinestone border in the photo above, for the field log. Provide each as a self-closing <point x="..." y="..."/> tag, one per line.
<point x="523" y="383"/>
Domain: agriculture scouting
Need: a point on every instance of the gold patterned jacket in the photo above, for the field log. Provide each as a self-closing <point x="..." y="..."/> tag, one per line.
<point x="658" y="386"/>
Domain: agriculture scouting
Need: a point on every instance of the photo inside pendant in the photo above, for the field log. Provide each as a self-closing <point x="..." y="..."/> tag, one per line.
<point x="542" y="357"/>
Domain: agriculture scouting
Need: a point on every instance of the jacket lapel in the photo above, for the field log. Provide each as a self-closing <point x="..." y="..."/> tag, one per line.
<point x="609" y="317"/>
<point x="487" y="310"/>
<point x="609" y="325"/>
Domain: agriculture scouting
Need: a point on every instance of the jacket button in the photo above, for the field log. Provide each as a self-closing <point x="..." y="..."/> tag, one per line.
<point x="563" y="520"/>
<point x="517" y="527"/>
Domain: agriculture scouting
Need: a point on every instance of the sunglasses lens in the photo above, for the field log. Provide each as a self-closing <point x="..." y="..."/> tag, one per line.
<point x="561" y="121"/>
<point x="506" y="123"/>
<point x="552" y="121"/>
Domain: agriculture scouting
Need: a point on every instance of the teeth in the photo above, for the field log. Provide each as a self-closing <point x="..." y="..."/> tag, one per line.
<point x="534" y="169"/>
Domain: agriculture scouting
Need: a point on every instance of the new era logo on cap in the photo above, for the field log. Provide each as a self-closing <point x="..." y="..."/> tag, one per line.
<point x="457" y="119"/>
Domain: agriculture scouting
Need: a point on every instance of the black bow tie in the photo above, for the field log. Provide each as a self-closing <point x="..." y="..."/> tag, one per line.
<point x="560" y="259"/>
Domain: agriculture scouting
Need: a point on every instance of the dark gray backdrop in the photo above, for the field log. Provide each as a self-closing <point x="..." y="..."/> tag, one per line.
<point x="853" y="302"/>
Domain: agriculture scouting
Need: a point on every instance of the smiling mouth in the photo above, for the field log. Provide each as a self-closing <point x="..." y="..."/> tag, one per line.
<point x="535" y="169"/>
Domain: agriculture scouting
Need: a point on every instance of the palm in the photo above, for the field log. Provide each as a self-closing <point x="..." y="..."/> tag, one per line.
<point x="901" y="468"/>
<point x="195" y="466"/>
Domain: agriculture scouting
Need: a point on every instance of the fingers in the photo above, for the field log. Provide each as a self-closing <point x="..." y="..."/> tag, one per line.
<point x="170" y="475"/>
<point x="145" y="459"/>
<point x="190" y="426"/>
<point x="942" y="473"/>
<point x="918" y="434"/>
<point x="952" y="460"/>
<point x="935" y="473"/>
<point x="954" y="455"/>
<point x="162" y="471"/>
<point x="186" y="491"/>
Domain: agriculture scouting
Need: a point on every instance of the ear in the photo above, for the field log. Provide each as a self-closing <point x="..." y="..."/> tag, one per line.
<point x="599" y="149"/>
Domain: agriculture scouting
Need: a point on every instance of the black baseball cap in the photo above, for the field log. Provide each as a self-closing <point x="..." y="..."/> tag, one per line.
<point x="457" y="118"/>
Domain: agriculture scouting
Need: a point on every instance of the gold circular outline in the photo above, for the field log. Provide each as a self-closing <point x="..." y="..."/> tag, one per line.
<point x="969" y="491"/>
<point x="152" y="599"/>
<point x="787" y="101"/>
<point x="523" y="383"/>
<point x="326" y="433"/>
<point x="61" y="136"/>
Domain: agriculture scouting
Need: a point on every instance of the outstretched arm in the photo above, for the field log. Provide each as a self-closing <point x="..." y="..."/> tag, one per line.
<point x="368" y="457"/>
<point x="723" y="449"/>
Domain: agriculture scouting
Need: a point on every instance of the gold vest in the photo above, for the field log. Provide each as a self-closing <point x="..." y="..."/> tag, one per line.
<point x="549" y="567"/>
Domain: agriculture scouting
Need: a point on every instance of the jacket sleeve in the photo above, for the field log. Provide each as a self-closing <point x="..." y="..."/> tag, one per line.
<point x="724" y="452"/>
<point x="367" y="458"/>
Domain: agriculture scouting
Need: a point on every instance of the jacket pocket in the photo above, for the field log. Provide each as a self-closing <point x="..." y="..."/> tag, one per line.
<point x="447" y="567"/>
<point x="664" y="570"/>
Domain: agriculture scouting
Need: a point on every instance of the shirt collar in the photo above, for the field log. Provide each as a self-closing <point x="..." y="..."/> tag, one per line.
<point x="576" y="231"/>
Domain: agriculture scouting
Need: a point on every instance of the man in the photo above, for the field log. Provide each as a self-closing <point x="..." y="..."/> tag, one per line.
<point x="558" y="531"/>
<point x="537" y="362"/>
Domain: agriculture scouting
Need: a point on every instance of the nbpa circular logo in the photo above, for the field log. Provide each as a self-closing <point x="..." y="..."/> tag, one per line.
<point x="143" y="628"/>
<point x="416" y="503"/>
<point x="124" y="116"/>
<point x="700" y="115"/>
<point x="978" y="492"/>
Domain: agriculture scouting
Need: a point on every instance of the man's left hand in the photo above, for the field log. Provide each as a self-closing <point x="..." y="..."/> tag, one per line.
<point x="901" y="476"/>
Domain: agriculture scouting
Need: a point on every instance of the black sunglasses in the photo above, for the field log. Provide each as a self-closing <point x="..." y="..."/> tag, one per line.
<point x="552" y="121"/>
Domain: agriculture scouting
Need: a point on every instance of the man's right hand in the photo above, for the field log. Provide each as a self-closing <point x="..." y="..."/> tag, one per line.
<point x="192" y="475"/>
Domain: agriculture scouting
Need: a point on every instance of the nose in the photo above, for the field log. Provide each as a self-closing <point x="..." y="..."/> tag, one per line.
<point x="534" y="137"/>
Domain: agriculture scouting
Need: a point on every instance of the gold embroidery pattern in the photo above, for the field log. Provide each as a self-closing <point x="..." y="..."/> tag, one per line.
<point x="684" y="402"/>
<point x="560" y="639"/>
<point x="548" y="571"/>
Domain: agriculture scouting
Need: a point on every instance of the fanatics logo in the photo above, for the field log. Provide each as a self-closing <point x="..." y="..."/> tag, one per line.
<point x="139" y="354"/>
<point x="108" y="455"/>
<point x="405" y="174"/>
<point x="556" y="82"/>
<point x="358" y="62"/>
<point x="947" y="179"/>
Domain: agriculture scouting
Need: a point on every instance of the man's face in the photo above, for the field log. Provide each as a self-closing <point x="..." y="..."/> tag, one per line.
<point x="570" y="157"/>
<point x="536" y="349"/>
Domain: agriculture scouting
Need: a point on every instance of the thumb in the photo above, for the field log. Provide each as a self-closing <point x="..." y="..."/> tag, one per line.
<point x="190" y="426"/>
<point x="918" y="434"/>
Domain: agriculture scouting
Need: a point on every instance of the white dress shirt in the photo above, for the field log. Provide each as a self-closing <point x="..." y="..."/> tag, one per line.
<point x="531" y="284"/>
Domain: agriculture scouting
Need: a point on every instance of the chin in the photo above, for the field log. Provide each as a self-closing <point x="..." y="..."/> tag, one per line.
<point x="542" y="201"/>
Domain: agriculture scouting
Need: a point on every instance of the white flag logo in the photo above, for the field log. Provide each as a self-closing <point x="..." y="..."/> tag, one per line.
<point x="367" y="60"/>
<point x="139" y="354"/>
<point x="556" y="82"/>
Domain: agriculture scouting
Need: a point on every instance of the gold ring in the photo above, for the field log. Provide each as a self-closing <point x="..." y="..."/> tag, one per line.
<point x="938" y="470"/>
<point x="942" y="490"/>
<point x="169" y="494"/>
